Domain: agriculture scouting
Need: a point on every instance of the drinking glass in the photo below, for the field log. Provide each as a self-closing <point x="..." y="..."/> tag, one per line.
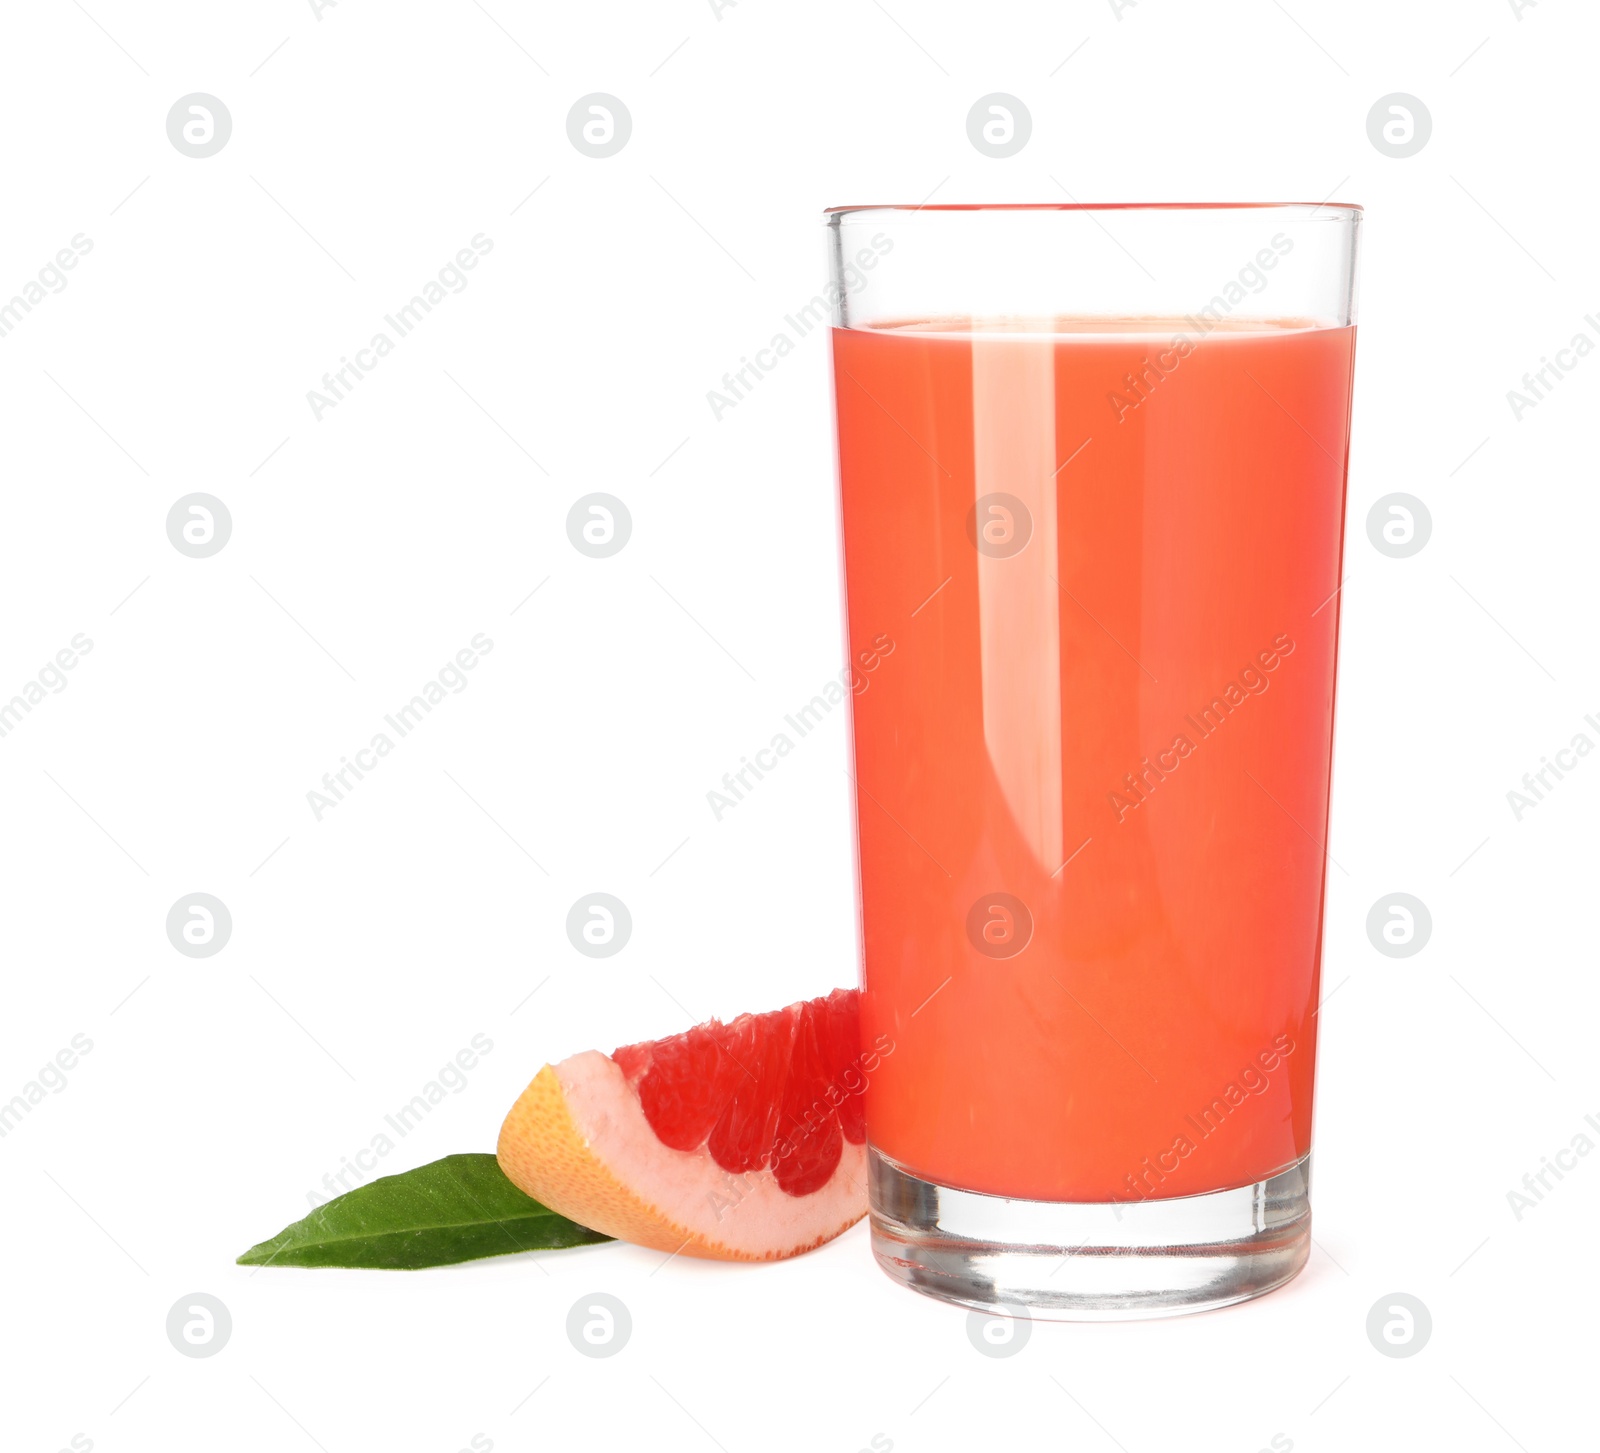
<point x="1092" y="477"/>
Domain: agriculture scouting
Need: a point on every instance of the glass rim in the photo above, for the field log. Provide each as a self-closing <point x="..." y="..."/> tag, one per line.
<point x="1310" y="208"/>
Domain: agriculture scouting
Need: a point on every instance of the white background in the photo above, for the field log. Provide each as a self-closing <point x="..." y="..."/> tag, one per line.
<point x="370" y="144"/>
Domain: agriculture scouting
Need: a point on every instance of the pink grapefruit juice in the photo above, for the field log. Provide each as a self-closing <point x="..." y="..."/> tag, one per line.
<point x="1092" y="779"/>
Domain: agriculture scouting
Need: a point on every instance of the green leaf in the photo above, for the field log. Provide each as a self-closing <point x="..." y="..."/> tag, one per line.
<point x="456" y="1209"/>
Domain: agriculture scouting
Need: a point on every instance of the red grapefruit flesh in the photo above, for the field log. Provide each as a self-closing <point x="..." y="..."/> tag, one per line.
<point x="742" y="1141"/>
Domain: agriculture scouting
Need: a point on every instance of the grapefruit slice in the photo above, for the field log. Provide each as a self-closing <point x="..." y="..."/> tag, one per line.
<point x="741" y="1142"/>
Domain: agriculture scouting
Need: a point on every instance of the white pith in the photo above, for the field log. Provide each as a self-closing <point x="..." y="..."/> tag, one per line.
<point x="748" y="1213"/>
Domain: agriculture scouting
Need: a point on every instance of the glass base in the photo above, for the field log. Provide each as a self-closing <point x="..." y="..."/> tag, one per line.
<point x="1089" y="1261"/>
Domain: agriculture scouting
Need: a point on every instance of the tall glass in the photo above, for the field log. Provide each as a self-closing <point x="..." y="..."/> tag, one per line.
<point x="1092" y="478"/>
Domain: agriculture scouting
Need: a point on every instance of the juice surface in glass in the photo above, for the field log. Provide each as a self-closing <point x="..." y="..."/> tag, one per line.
<point x="1092" y="768"/>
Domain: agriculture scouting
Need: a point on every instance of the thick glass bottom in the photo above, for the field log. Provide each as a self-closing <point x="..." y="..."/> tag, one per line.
<point x="1088" y="1261"/>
